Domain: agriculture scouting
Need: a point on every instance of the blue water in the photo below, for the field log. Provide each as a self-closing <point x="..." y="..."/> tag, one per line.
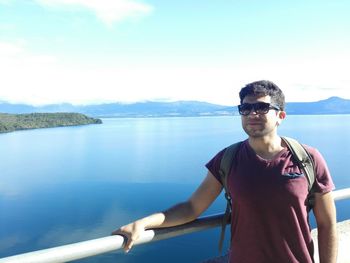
<point x="64" y="185"/>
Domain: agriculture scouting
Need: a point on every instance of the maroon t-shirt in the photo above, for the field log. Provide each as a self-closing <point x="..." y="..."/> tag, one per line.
<point x="269" y="216"/>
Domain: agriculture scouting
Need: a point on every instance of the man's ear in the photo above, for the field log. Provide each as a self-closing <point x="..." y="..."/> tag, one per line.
<point x="282" y="115"/>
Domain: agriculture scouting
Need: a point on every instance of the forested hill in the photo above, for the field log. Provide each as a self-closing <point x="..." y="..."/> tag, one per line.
<point x="14" y="122"/>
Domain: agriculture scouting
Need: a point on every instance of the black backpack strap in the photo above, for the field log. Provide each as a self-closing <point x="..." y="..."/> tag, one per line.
<point x="225" y="167"/>
<point x="305" y="162"/>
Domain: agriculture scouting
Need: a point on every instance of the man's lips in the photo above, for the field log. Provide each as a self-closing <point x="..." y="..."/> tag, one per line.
<point x="254" y="123"/>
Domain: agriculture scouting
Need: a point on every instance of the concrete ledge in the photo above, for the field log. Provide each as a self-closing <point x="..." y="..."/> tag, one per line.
<point x="344" y="242"/>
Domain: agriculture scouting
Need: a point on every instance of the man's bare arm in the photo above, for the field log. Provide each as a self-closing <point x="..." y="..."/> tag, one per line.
<point x="325" y="214"/>
<point x="180" y="213"/>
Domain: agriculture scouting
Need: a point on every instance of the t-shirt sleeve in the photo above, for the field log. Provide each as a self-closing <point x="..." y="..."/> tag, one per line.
<point x="214" y="165"/>
<point x="323" y="180"/>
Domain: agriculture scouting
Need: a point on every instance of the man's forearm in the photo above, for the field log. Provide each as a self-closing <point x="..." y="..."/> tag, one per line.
<point x="178" y="214"/>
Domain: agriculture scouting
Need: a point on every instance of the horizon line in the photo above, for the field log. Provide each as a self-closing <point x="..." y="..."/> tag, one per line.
<point x="142" y="101"/>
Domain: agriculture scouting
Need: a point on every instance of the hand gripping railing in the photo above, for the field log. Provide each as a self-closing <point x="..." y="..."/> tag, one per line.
<point x="111" y="243"/>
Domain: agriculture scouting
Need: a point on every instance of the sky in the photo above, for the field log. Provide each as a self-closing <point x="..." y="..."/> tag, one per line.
<point x="103" y="51"/>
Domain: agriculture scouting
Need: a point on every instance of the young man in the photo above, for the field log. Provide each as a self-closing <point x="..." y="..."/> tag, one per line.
<point x="269" y="220"/>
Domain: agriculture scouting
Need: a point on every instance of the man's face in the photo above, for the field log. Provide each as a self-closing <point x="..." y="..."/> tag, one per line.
<point x="261" y="124"/>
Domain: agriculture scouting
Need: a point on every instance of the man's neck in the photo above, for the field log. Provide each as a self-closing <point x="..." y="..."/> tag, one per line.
<point x="266" y="147"/>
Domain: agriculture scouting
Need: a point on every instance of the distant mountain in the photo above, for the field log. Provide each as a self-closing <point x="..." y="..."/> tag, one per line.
<point x="333" y="105"/>
<point x="6" y="107"/>
<point x="157" y="109"/>
<point x="139" y="109"/>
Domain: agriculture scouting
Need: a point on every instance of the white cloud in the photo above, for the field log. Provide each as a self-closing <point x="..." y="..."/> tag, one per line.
<point x="44" y="79"/>
<point x="39" y="79"/>
<point x="6" y="2"/>
<point x="109" y="11"/>
<point x="9" y="49"/>
<point x="302" y="78"/>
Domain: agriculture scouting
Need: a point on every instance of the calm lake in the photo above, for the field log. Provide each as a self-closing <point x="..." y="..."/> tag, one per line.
<point x="71" y="184"/>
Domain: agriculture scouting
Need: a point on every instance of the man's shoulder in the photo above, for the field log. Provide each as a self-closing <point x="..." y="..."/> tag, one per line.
<point x="314" y="152"/>
<point x="236" y="144"/>
<point x="310" y="149"/>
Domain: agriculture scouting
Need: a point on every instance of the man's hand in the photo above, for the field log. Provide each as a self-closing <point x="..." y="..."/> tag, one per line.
<point x="131" y="232"/>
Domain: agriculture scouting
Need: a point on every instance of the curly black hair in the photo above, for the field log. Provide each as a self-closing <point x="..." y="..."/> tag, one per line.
<point x="264" y="88"/>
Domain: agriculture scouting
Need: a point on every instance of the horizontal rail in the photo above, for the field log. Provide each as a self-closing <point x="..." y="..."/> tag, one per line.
<point x="111" y="243"/>
<point x="341" y="194"/>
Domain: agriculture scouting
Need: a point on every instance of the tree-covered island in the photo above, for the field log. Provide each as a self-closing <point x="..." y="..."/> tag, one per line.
<point x="14" y="122"/>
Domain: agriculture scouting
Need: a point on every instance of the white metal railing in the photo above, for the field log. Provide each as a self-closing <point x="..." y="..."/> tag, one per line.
<point x="341" y="194"/>
<point x="111" y="243"/>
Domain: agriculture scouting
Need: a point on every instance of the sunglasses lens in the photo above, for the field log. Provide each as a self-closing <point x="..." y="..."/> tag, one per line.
<point x="261" y="107"/>
<point x="245" y="108"/>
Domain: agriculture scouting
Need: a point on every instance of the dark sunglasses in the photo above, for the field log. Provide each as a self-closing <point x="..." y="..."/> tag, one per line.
<point x="259" y="108"/>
